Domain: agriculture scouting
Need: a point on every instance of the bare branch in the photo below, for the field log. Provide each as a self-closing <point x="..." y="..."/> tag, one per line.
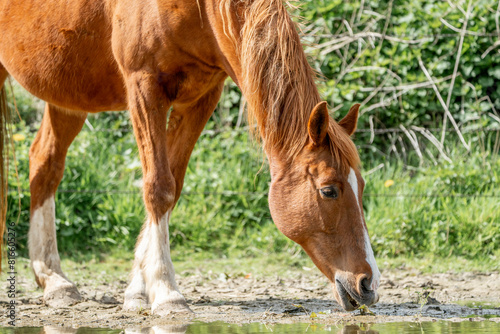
<point x="427" y="134"/>
<point x="406" y="87"/>
<point x="241" y="111"/>
<point x="344" y="40"/>
<point x="452" y="5"/>
<point x="488" y="50"/>
<point x="497" y="15"/>
<point x="371" y="12"/>
<point x="496" y="118"/>
<point x="467" y="32"/>
<point x="361" y="7"/>
<point x="446" y="110"/>
<point x="373" y="170"/>
<point x="383" y="103"/>
<point x="455" y="70"/>
<point x="372" y="94"/>
<point x="413" y="141"/>
<point x="370" y="68"/>
<point x="372" y="133"/>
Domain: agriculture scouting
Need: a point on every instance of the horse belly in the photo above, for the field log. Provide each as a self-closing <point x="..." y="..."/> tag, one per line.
<point x="64" y="57"/>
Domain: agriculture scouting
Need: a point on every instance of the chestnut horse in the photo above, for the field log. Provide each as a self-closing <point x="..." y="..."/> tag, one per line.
<point x="87" y="56"/>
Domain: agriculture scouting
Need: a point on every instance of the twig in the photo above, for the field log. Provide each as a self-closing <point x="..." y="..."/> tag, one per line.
<point x="403" y="149"/>
<point x="452" y="5"/>
<point x="425" y="84"/>
<point x="371" y="12"/>
<point x="344" y="40"/>
<point x="89" y="125"/>
<point x="487" y="98"/>
<point x="335" y="109"/>
<point x="497" y="15"/>
<point x="455" y="70"/>
<point x="422" y="38"/>
<point x="241" y="111"/>
<point x="344" y="71"/>
<point x="468" y="32"/>
<point x="369" y="68"/>
<point x="413" y="141"/>
<point x="349" y="29"/>
<point x="361" y="7"/>
<point x="372" y="132"/>
<point x="427" y="134"/>
<point x="488" y="50"/>
<point x="372" y="94"/>
<point x="386" y="24"/>
<point x="373" y="170"/>
<point x="446" y="110"/>
<point x="383" y="103"/>
<point x="496" y="118"/>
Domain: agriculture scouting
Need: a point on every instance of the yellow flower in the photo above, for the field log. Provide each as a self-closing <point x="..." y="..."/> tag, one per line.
<point x="19" y="137"/>
<point x="388" y="183"/>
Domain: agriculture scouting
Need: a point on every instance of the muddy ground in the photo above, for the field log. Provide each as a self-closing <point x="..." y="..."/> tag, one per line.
<point x="405" y="295"/>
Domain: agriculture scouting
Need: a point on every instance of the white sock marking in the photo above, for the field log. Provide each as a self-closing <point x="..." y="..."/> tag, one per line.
<point x="154" y="271"/>
<point x="43" y="243"/>
<point x="135" y="294"/>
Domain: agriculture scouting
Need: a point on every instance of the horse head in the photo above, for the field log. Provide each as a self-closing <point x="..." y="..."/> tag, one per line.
<point x="316" y="200"/>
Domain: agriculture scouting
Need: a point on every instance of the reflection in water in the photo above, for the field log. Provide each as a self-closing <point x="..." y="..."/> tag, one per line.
<point x="354" y="329"/>
<point x="199" y="327"/>
<point x="58" y="330"/>
<point x="253" y="328"/>
<point x="165" y="329"/>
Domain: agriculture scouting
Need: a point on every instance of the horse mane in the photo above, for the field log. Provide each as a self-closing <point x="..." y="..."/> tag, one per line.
<point x="277" y="80"/>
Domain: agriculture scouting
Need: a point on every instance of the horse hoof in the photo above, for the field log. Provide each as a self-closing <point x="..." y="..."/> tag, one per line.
<point x="135" y="304"/>
<point x="172" y="307"/>
<point x="62" y="297"/>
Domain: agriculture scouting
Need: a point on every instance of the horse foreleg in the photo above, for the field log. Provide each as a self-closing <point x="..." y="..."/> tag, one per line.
<point x="184" y="128"/>
<point x="47" y="154"/>
<point x="153" y="276"/>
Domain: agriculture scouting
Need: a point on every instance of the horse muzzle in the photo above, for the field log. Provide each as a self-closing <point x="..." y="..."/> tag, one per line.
<point x="352" y="297"/>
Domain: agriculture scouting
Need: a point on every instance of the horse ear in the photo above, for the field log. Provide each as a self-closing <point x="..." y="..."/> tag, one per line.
<point x="350" y="121"/>
<point x="318" y="123"/>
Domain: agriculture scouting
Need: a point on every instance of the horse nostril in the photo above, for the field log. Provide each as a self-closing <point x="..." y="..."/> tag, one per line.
<point x="365" y="285"/>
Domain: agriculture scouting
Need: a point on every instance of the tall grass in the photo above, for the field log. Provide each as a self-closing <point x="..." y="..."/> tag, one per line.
<point x="447" y="209"/>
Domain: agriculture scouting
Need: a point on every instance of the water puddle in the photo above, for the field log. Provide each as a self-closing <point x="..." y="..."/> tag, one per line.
<point x="254" y="328"/>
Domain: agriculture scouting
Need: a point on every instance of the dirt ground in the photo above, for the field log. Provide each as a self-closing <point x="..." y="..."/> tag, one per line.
<point x="305" y="296"/>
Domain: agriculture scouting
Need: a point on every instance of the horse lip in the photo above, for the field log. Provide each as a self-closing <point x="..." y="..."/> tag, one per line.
<point x="351" y="300"/>
<point x="346" y="300"/>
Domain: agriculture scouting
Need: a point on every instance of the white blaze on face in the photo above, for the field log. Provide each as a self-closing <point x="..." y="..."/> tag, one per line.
<point x="370" y="258"/>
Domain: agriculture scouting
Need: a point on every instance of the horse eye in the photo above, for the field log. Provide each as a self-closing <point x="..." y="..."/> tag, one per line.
<point x="329" y="192"/>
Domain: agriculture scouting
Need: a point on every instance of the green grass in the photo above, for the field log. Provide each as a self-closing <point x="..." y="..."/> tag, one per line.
<point x="466" y="225"/>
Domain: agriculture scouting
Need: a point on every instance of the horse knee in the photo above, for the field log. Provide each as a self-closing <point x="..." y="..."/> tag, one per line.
<point x="46" y="167"/>
<point x="159" y="195"/>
